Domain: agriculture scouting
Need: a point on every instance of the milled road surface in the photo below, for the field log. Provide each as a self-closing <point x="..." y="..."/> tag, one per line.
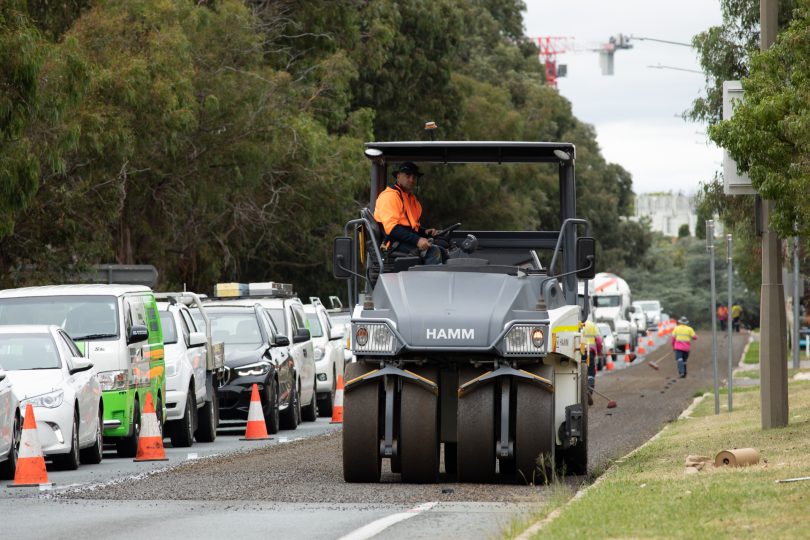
<point x="297" y="489"/>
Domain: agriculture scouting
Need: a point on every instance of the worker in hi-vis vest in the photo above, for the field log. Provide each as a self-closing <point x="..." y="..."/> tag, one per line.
<point x="399" y="211"/>
<point x="682" y="338"/>
<point x="593" y="347"/>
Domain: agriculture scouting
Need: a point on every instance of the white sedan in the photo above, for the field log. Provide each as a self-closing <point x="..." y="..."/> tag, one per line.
<point x="327" y="342"/>
<point x="10" y="428"/>
<point x="49" y="372"/>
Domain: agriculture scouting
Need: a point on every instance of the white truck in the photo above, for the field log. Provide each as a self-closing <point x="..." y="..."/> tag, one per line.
<point x="195" y="366"/>
<point x="612" y="305"/>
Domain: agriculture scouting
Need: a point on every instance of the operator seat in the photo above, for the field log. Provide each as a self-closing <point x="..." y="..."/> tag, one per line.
<point x="393" y="261"/>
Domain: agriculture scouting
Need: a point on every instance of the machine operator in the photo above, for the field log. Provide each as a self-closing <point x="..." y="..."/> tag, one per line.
<point x="398" y="210"/>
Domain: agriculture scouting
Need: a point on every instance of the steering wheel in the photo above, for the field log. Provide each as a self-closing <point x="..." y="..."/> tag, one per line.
<point x="448" y="230"/>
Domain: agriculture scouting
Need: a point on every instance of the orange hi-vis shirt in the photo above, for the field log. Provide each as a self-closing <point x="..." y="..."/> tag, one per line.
<point x="395" y="206"/>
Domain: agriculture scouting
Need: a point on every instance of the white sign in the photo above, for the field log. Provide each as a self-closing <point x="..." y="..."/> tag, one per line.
<point x="733" y="183"/>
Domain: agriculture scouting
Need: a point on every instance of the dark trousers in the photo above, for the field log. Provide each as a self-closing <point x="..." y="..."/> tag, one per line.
<point x="432" y="256"/>
<point x="681" y="357"/>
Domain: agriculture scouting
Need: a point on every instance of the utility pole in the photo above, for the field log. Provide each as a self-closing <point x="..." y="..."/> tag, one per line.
<point x="796" y="301"/>
<point x="710" y="249"/>
<point x="728" y="321"/>
<point x="772" y="317"/>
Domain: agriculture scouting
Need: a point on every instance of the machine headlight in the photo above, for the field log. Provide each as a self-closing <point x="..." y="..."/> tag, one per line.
<point x="318" y="354"/>
<point x="374" y="338"/>
<point x="112" y="380"/>
<point x="253" y="370"/>
<point x="524" y="339"/>
<point x="50" y="400"/>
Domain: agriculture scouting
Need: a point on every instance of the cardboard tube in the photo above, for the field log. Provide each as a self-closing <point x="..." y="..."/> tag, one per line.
<point x="739" y="457"/>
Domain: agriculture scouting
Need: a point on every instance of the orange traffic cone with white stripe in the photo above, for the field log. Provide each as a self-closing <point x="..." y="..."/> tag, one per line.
<point x="609" y="364"/>
<point x="256" y="428"/>
<point x="31" y="470"/>
<point x="650" y="342"/>
<point x="626" y="353"/>
<point x="150" y="441"/>
<point x="337" y="406"/>
<point x="640" y="346"/>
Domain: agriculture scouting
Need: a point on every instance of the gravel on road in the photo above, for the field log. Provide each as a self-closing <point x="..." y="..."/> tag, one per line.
<point x="310" y="470"/>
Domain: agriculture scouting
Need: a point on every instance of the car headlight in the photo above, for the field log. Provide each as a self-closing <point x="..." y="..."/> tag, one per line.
<point x="318" y="354"/>
<point x="253" y="370"/>
<point x="49" y="401"/>
<point x="112" y="380"/>
<point x="171" y="369"/>
<point x="374" y="338"/>
<point x="524" y="339"/>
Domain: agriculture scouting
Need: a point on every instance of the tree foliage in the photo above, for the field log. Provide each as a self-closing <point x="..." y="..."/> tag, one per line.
<point x="222" y="139"/>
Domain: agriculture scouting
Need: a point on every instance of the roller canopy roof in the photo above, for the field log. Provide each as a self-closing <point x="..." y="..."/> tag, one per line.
<point x="470" y="151"/>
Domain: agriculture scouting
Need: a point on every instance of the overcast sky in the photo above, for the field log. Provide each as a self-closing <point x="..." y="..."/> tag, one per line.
<point x="636" y="112"/>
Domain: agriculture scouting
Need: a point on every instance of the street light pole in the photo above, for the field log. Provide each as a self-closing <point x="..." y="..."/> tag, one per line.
<point x="710" y="249"/>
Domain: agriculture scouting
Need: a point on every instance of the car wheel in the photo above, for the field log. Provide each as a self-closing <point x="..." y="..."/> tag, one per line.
<point x="128" y="446"/>
<point x="289" y="416"/>
<point x="159" y="414"/>
<point x="310" y="412"/>
<point x="95" y="453"/>
<point x="208" y="420"/>
<point x="271" y="419"/>
<point x="181" y="432"/>
<point x="70" y="461"/>
<point x="9" y="467"/>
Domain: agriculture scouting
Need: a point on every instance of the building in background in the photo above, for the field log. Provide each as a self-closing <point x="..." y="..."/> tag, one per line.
<point x="667" y="211"/>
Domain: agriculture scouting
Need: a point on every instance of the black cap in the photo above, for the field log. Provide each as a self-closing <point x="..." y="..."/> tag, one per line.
<point x="410" y="168"/>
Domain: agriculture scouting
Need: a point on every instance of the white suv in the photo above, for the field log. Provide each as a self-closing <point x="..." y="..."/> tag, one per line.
<point x="327" y="340"/>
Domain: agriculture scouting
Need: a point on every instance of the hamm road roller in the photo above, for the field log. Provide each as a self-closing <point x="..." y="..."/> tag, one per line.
<point x="479" y="356"/>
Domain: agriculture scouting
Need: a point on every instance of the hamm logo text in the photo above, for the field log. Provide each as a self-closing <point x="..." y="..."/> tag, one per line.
<point x="450" y="333"/>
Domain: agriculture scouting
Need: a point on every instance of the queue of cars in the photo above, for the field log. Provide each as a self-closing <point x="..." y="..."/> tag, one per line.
<point x="84" y="356"/>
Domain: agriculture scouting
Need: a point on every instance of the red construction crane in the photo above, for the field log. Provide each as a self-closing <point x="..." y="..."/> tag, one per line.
<point x="550" y="47"/>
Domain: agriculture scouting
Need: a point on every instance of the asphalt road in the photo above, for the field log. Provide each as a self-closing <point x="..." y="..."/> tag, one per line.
<point x="296" y="489"/>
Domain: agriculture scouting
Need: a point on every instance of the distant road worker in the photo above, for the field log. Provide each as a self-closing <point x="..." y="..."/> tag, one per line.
<point x="592" y="339"/>
<point x="736" y="313"/>
<point x="722" y="316"/>
<point x="682" y="338"/>
<point x="399" y="211"/>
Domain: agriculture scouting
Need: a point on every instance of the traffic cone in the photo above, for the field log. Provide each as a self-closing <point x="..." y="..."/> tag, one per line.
<point x="626" y="353"/>
<point x="256" y="428"/>
<point x="609" y="364"/>
<point x="640" y="346"/>
<point x="150" y="441"/>
<point x="650" y="342"/>
<point x="31" y="470"/>
<point x="337" y="406"/>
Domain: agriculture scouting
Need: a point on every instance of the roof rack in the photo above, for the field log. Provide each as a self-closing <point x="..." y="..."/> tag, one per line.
<point x="269" y="289"/>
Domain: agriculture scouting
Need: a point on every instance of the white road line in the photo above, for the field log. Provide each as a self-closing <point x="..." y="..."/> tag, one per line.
<point x="376" y="527"/>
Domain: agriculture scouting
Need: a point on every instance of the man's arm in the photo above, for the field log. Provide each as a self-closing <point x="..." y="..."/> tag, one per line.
<point x="404" y="234"/>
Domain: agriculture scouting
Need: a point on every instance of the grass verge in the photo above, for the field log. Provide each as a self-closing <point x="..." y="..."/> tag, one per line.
<point x="755" y="374"/>
<point x="752" y="354"/>
<point x="651" y="496"/>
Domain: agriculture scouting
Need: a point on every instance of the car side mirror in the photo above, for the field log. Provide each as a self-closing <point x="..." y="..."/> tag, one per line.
<point x="137" y="333"/>
<point x="80" y="364"/>
<point x="196" y="339"/>
<point x="586" y="257"/>
<point x="282" y="341"/>
<point x="342" y="258"/>
<point x="301" y="335"/>
<point x="337" y="333"/>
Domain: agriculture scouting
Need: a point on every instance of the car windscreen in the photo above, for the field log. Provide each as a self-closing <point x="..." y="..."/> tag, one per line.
<point x="314" y="325"/>
<point x="169" y="329"/>
<point x="604" y="329"/>
<point x="606" y="301"/>
<point x="277" y="314"/>
<point x="28" y="351"/>
<point x="236" y="329"/>
<point x="82" y="317"/>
